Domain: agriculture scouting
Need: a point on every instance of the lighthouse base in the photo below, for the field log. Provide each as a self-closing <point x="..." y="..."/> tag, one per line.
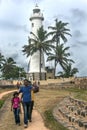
<point x="36" y="76"/>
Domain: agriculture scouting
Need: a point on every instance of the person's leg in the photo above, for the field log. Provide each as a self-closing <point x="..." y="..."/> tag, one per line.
<point x="25" y="113"/>
<point x="31" y="109"/>
<point x="32" y="105"/>
<point x="18" y="116"/>
<point x="15" y="114"/>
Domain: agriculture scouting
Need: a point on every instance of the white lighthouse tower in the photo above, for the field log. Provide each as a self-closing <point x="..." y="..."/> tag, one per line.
<point x="34" y="66"/>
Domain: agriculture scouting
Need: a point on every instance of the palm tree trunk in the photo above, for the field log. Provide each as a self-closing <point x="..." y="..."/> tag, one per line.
<point x="55" y="69"/>
<point x="40" y="65"/>
<point x="57" y="42"/>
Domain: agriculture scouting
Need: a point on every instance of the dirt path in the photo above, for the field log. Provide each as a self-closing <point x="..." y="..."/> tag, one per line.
<point x="37" y="122"/>
<point x="7" y="122"/>
<point x="4" y="93"/>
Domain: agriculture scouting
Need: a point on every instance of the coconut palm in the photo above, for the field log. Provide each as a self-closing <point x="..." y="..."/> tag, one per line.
<point x="59" y="31"/>
<point x="68" y="72"/>
<point x="60" y="56"/>
<point x="8" y="67"/>
<point x="39" y="43"/>
<point x="2" y="60"/>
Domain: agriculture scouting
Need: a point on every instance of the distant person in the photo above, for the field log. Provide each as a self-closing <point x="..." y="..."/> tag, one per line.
<point x="35" y="87"/>
<point x="18" y="85"/>
<point x="15" y="106"/>
<point x="26" y="97"/>
<point x="38" y="83"/>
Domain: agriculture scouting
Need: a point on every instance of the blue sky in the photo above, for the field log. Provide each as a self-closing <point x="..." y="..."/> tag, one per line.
<point x="15" y="27"/>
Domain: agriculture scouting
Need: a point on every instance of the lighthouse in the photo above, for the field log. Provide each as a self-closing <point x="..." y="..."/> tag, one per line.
<point x="36" y="20"/>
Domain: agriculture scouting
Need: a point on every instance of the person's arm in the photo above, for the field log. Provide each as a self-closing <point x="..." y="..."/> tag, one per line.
<point x="20" y="90"/>
<point x="35" y="88"/>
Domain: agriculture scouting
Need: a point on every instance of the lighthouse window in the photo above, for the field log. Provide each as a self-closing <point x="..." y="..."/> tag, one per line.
<point x="41" y="65"/>
<point x="32" y="24"/>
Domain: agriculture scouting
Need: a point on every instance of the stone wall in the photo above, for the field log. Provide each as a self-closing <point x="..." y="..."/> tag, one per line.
<point x="81" y="83"/>
<point x="6" y="82"/>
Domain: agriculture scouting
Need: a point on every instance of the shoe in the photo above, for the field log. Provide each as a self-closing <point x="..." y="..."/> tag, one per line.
<point x="25" y="125"/>
<point x="19" y="124"/>
<point x="30" y="120"/>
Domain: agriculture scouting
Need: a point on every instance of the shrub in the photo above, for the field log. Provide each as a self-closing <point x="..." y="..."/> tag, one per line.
<point x="51" y="123"/>
<point x="1" y="103"/>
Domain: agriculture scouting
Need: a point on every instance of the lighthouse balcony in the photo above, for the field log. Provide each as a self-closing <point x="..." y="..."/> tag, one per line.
<point x="37" y="16"/>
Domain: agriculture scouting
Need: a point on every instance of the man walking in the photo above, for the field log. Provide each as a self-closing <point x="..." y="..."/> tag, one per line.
<point x="26" y="96"/>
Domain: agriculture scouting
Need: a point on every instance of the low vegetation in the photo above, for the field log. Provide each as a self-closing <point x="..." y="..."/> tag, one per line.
<point x="3" y="98"/>
<point x="80" y="94"/>
<point x="47" y="99"/>
<point x="51" y="122"/>
<point x="1" y="103"/>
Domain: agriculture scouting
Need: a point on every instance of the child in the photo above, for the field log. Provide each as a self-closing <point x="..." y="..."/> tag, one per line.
<point x="15" y="105"/>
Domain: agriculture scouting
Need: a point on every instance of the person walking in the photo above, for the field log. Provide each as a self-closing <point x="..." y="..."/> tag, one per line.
<point x="32" y="105"/>
<point x="35" y="89"/>
<point x="15" y="106"/>
<point x="26" y="97"/>
<point x="18" y="85"/>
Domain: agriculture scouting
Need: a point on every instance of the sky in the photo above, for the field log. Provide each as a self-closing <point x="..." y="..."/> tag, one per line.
<point x="15" y="27"/>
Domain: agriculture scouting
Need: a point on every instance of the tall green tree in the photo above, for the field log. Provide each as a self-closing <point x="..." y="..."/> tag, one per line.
<point x="2" y="60"/>
<point x="68" y="72"/>
<point x="61" y="56"/>
<point x="8" y="67"/>
<point x="39" y="43"/>
<point x="59" y="32"/>
<point x="22" y="73"/>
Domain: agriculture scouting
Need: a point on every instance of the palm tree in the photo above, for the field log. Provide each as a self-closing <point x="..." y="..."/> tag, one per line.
<point x="60" y="56"/>
<point x="2" y="60"/>
<point x="68" y="72"/>
<point x="8" y="67"/>
<point x="39" y="43"/>
<point x="22" y="72"/>
<point x="58" y="32"/>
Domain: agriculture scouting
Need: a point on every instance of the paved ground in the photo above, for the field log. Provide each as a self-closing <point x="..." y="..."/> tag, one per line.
<point x="36" y="124"/>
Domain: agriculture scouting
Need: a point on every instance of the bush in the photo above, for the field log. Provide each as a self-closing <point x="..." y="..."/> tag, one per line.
<point x="51" y="123"/>
<point x="1" y="103"/>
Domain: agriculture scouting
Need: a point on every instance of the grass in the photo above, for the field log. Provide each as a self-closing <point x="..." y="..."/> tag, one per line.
<point x="78" y="93"/>
<point x="47" y="99"/>
<point x="51" y="122"/>
<point x="1" y="103"/>
<point x="4" y="97"/>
